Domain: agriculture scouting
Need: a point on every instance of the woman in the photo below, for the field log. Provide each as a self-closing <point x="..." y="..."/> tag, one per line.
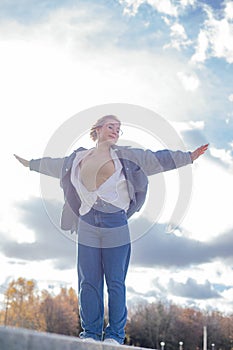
<point x="103" y="187"/>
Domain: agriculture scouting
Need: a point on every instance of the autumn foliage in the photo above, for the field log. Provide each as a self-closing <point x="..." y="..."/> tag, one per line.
<point x="26" y="307"/>
<point x="148" y="324"/>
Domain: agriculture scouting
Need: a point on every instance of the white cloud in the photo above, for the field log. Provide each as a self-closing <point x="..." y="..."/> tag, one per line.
<point x="158" y="280"/>
<point x="201" y="49"/>
<point x="178" y="30"/>
<point x="167" y="20"/>
<point x="162" y="6"/>
<point x="222" y="39"/>
<point x="166" y="7"/>
<point x="190" y="82"/>
<point x="229" y="10"/>
<point x="188" y="2"/>
<point x="189" y="125"/>
<point x="222" y="154"/>
<point x="131" y="6"/>
<point x="178" y="36"/>
<point x="216" y="37"/>
<point x="210" y="210"/>
<point x="69" y="57"/>
<point x="230" y="97"/>
<point x="200" y="124"/>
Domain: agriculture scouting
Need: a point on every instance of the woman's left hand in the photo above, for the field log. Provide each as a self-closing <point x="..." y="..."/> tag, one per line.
<point x="199" y="151"/>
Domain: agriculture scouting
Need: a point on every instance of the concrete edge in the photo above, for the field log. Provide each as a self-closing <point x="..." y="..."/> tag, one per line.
<point x="12" y="338"/>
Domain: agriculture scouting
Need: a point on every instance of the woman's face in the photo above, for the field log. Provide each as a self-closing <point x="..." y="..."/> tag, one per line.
<point x="109" y="132"/>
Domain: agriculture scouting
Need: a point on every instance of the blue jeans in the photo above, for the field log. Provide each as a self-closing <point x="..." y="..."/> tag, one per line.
<point x="99" y="256"/>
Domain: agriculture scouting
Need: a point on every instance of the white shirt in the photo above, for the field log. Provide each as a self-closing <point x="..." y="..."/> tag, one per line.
<point x="114" y="190"/>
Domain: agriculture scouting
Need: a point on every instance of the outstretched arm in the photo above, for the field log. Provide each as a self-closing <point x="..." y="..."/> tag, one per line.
<point x="156" y="162"/>
<point x="48" y="166"/>
<point x="199" y="151"/>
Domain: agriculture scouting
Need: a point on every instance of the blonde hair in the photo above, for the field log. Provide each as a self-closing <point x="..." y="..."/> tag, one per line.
<point x="100" y="122"/>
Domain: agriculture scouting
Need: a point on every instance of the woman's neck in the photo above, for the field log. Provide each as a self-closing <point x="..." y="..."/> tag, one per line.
<point x="103" y="147"/>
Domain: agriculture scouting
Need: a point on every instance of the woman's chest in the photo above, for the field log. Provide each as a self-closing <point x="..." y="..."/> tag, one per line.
<point x="94" y="171"/>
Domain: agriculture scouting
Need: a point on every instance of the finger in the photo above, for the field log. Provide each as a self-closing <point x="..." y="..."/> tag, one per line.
<point x="203" y="148"/>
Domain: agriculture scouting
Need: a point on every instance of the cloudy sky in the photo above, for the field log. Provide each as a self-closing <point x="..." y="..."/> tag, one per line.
<point x="174" y="58"/>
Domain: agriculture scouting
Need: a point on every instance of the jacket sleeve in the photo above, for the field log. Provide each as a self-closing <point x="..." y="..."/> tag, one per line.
<point x="48" y="166"/>
<point x="160" y="161"/>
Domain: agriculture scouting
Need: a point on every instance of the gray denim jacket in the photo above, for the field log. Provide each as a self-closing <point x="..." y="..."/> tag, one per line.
<point x="137" y="165"/>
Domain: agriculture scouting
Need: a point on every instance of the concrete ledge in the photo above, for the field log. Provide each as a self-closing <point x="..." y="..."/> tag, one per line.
<point x="24" y="339"/>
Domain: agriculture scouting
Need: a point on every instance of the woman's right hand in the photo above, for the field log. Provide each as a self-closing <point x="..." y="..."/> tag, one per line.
<point x="25" y="162"/>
